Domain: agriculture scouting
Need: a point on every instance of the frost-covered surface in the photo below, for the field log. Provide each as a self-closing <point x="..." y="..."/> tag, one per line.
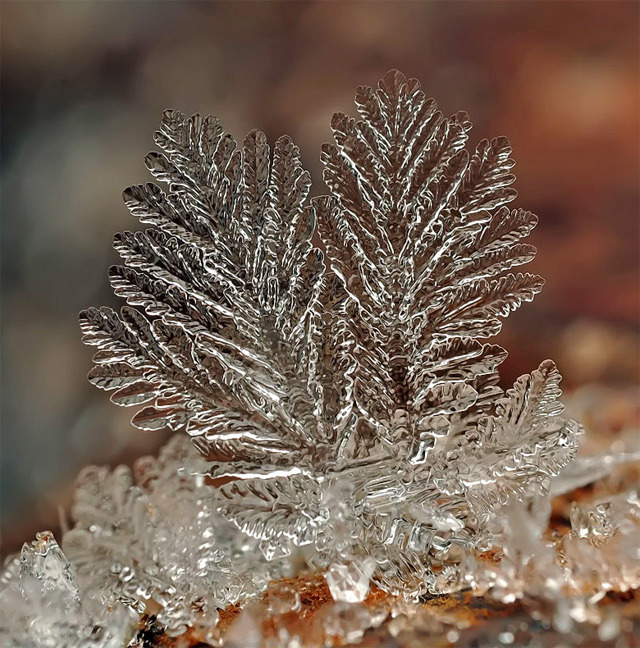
<point x="343" y="405"/>
<point x="157" y="548"/>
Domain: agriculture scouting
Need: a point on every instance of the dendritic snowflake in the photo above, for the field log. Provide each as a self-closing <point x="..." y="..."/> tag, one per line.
<point x="327" y="359"/>
<point x="340" y="393"/>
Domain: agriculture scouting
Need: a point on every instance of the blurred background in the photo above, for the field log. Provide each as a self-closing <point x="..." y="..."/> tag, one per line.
<point x="83" y="87"/>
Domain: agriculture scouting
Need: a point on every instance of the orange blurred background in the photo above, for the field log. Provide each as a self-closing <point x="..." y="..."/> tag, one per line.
<point x="83" y="87"/>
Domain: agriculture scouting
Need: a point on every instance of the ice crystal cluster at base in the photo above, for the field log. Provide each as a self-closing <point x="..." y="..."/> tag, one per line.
<point x="125" y="565"/>
<point x="342" y="413"/>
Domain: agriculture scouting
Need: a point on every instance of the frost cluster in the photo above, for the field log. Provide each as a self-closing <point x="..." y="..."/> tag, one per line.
<point x="327" y="359"/>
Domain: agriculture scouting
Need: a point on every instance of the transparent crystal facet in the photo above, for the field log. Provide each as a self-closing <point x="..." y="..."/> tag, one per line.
<point x="350" y="583"/>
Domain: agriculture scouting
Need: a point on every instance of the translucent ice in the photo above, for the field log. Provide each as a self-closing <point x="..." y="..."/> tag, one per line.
<point x="350" y="582"/>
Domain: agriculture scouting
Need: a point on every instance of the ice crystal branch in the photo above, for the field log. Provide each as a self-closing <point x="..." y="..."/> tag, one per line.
<point x="419" y="253"/>
<point x="343" y="397"/>
<point x="229" y="285"/>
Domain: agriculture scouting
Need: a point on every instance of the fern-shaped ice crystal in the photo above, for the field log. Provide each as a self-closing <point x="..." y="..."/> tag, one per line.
<point x="342" y="395"/>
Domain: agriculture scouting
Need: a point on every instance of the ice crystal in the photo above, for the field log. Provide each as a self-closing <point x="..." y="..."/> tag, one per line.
<point x="350" y="583"/>
<point x="342" y="396"/>
<point x="156" y="535"/>
<point x="41" y="605"/>
<point x="327" y="359"/>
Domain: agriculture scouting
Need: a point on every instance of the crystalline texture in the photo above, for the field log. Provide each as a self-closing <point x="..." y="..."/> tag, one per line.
<point x="40" y="604"/>
<point x="44" y="562"/>
<point x="340" y="402"/>
<point x="350" y="583"/>
<point x="354" y="369"/>
<point x="156" y="536"/>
